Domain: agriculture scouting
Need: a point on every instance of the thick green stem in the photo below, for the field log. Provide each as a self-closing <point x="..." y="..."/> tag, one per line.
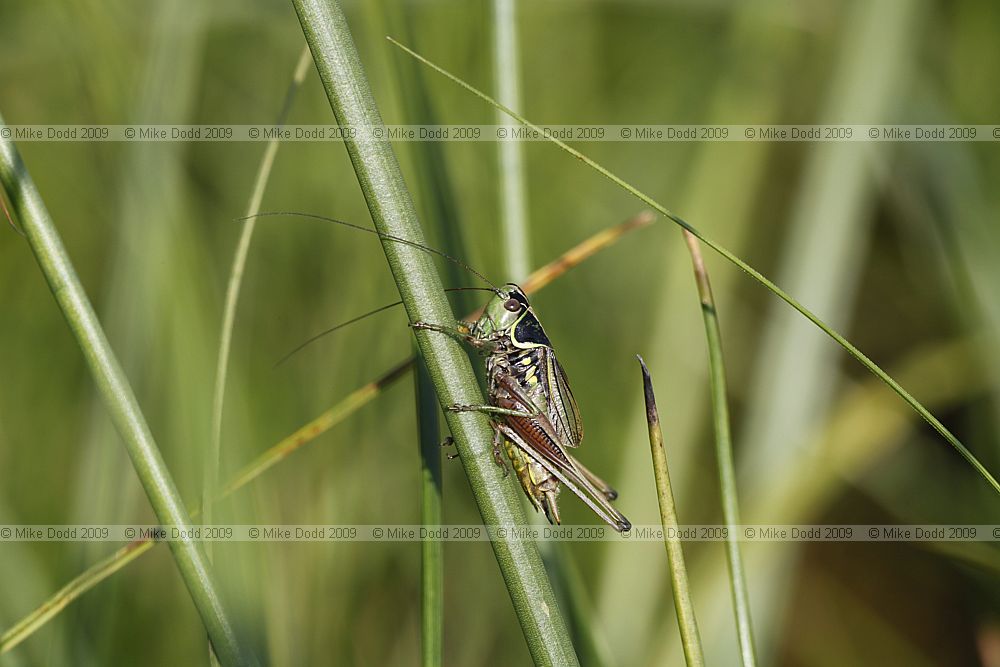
<point x="392" y="210"/>
<point x="118" y="398"/>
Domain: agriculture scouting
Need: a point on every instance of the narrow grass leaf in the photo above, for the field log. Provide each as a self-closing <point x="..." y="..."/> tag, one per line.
<point x="752" y="272"/>
<point x="431" y="548"/>
<point x="211" y="477"/>
<point x="686" y="621"/>
<point x="724" y="454"/>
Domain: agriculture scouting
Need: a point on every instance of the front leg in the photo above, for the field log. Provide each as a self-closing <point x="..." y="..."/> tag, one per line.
<point x="491" y="410"/>
<point x="461" y="332"/>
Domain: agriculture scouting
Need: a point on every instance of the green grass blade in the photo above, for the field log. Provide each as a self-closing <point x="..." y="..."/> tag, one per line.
<point x="431" y="549"/>
<point x="686" y="621"/>
<point x="211" y="477"/>
<point x="754" y="273"/>
<point x="724" y="454"/>
<point x="392" y="210"/>
<point x="513" y="198"/>
<point x="119" y="399"/>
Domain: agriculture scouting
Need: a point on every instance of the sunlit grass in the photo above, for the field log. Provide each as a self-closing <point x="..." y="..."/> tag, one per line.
<point x="150" y="229"/>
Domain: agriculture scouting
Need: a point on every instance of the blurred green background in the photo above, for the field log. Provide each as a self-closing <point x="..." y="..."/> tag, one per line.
<point x="895" y="244"/>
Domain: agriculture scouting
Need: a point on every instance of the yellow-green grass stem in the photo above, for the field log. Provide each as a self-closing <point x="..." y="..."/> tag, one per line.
<point x="687" y="624"/>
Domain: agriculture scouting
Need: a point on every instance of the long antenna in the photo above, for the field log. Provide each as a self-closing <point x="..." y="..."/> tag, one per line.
<point x="379" y="234"/>
<point x="315" y="338"/>
<point x="3" y="205"/>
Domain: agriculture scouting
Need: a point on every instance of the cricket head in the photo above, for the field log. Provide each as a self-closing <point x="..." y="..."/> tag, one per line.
<point x="509" y="312"/>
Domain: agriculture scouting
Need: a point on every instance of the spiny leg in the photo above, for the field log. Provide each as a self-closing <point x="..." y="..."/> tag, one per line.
<point x="492" y="410"/>
<point x="497" y="451"/>
<point x="459" y="331"/>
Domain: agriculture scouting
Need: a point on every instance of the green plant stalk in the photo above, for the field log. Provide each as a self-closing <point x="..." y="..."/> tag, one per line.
<point x="392" y="211"/>
<point x="686" y="621"/>
<point x="119" y="399"/>
<point x="724" y="454"/>
<point x="432" y="548"/>
<point x="752" y="272"/>
<point x="513" y="200"/>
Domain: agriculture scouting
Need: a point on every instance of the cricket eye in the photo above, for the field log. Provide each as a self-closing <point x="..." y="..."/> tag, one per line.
<point x="513" y="305"/>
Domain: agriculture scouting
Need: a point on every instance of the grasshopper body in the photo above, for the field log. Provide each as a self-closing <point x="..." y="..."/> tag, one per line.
<point x="534" y="415"/>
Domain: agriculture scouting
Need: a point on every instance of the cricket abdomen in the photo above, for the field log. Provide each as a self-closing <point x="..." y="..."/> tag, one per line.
<point x="541" y="486"/>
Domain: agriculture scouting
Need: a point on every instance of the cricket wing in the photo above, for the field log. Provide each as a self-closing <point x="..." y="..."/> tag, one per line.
<point x="551" y="456"/>
<point x="535" y="434"/>
<point x="563" y="410"/>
